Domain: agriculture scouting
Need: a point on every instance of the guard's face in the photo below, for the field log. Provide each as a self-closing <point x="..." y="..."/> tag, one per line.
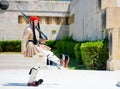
<point x="36" y="22"/>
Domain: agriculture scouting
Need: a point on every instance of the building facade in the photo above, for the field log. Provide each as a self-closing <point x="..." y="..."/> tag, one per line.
<point x="53" y="18"/>
<point x="81" y="19"/>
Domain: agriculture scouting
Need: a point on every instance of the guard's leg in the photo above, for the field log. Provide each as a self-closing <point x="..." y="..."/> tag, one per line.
<point x="39" y="60"/>
<point x="33" y="73"/>
<point x="67" y="58"/>
<point x="50" y="55"/>
<point x="62" y="59"/>
<point x="53" y="58"/>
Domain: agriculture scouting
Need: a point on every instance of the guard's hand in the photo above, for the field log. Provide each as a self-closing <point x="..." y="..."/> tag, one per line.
<point x="43" y="41"/>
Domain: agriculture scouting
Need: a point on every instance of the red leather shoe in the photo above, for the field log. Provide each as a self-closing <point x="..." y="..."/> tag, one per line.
<point x="35" y="83"/>
<point x="31" y="84"/>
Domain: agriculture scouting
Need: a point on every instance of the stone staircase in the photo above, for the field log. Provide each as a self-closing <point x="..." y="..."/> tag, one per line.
<point x="17" y="61"/>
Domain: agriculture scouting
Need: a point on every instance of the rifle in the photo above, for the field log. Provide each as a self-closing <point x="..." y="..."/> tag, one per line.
<point x="27" y="19"/>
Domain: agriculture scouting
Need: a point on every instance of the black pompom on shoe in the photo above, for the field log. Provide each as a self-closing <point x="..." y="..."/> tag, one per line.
<point x="40" y="81"/>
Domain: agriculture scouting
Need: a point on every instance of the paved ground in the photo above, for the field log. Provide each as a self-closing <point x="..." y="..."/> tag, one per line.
<point x="61" y="79"/>
<point x="14" y="75"/>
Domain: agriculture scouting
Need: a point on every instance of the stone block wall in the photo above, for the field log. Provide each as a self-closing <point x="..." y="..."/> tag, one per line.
<point x="12" y="30"/>
<point x="87" y="20"/>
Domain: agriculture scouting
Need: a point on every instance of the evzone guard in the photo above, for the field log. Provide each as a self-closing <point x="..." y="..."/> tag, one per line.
<point x="32" y="46"/>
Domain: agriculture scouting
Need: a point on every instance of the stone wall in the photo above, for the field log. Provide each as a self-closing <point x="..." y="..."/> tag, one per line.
<point x="112" y="9"/>
<point x="87" y="20"/>
<point x="12" y="30"/>
<point x="113" y="17"/>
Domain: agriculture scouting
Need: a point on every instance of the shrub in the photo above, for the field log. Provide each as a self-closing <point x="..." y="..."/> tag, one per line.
<point x="11" y="46"/>
<point x="51" y="43"/>
<point x="94" y="55"/>
<point x="78" y="53"/>
<point x="66" y="38"/>
<point x="0" y="46"/>
<point x="66" y="47"/>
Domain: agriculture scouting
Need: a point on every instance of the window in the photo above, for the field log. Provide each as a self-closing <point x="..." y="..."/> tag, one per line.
<point x="48" y="20"/>
<point x="21" y="20"/>
<point x="71" y="19"/>
<point x="42" y="20"/>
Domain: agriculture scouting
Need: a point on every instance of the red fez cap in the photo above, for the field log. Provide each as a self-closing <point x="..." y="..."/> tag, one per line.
<point x="32" y="18"/>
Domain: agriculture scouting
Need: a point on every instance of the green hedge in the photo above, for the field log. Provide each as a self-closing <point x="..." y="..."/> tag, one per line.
<point x="95" y="55"/>
<point x="91" y="54"/>
<point x="51" y="43"/>
<point x="78" y="53"/>
<point x="65" y="47"/>
<point x="10" y="46"/>
<point x="0" y="46"/>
